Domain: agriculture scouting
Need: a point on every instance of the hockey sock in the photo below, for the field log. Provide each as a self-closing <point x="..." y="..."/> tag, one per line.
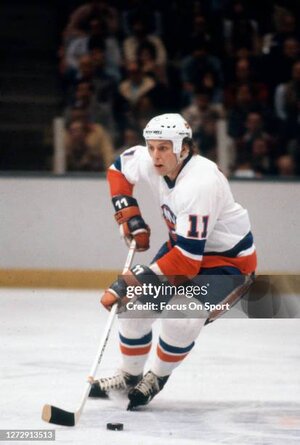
<point x="168" y="357"/>
<point x="135" y="353"/>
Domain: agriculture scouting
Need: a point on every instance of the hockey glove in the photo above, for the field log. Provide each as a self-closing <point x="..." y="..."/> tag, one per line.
<point x="117" y="292"/>
<point x="132" y="225"/>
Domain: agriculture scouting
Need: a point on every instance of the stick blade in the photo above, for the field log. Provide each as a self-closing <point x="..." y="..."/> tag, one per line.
<point x="58" y="416"/>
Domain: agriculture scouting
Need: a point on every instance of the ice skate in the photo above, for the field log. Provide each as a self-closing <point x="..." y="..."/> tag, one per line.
<point x="145" y="390"/>
<point x="123" y="381"/>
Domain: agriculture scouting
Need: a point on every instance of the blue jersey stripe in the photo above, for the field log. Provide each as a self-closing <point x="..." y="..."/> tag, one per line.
<point x="117" y="163"/>
<point x="175" y="349"/>
<point x="136" y="341"/>
<point x="194" y="246"/>
<point x="244" y="244"/>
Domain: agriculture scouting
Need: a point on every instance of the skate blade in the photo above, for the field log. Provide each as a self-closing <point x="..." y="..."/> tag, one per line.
<point x="97" y="393"/>
<point x="130" y="407"/>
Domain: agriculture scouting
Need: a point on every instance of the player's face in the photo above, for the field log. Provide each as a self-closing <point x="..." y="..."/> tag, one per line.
<point x="163" y="158"/>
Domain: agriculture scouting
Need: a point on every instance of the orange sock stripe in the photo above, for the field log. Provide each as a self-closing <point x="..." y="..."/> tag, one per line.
<point x="135" y="351"/>
<point x="118" y="184"/>
<point x="168" y="357"/>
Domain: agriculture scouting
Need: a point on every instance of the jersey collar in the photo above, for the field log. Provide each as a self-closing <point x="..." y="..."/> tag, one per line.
<point x="171" y="182"/>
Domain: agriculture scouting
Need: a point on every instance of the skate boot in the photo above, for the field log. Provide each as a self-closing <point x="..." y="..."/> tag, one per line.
<point x="123" y="381"/>
<point x="145" y="390"/>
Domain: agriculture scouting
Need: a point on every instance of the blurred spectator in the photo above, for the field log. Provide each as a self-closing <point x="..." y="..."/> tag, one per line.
<point x="147" y="11"/>
<point x="278" y="67"/>
<point x="147" y="61"/>
<point x="95" y="37"/>
<point x="85" y="71"/>
<point x="105" y="90"/>
<point x="254" y="128"/>
<point x="287" y="98"/>
<point x="243" y="168"/>
<point x="131" y="137"/>
<point x="81" y="97"/>
<point x="256" y="160"/>
<point x="83" y="93"/>
<point x="286" y="27"/>
<point x="244" y="74"/>
<point x="202" y="116"/>
<point x="103" y="81"/>
<point x="261" y="156"/>
<point x="79" y="20"/>
<point x="143" y="110"/>
<point x="287" y="107"/>
<point x="135" y="84"/>
<point x="247" y="100"/>
<point x="71" y="78"/>
<point x="85" y="98"/>
<point x="200" y="67"/>
<point x="199" y="31"/>
<point x="211" y="82"/>
<point x="293" y="149"/>
<point x="240" y="32"/>
<point x="77" y="112"/>
<point x="94" y="88"/>
<point x="141" y="35"/>
<point x="205" y="136"/>
<point x="88" y="147"/>
<point x="200" y="107"/>
<point x="244" y="104"/>
<point x="286" y="166"/>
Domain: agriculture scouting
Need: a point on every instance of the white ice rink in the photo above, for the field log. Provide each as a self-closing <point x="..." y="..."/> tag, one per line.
<point x="239" y="386"/>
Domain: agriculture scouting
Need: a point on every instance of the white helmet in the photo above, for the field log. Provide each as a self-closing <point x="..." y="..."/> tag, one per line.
<point x="171" y="127"/>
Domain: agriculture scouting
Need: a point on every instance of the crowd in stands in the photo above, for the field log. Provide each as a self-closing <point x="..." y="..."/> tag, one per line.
<point x="121" y="63"/>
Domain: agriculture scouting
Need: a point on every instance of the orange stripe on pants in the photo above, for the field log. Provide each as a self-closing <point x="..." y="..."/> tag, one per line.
<point x="246" y="264"/>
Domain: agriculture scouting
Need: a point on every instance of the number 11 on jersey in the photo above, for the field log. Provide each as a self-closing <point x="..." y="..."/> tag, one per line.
<point x="193" y="232"/>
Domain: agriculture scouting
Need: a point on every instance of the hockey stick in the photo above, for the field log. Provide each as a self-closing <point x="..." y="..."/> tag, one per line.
<point x="59" y="416"/>
<point x="232" y="299"/>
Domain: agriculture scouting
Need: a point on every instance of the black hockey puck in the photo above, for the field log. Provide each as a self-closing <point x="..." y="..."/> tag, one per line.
<point x="115" y="426"/>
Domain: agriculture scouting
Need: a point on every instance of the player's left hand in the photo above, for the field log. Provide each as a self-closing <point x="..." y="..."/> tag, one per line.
<point x="108" y="299"/>
<point x="115" y="294"/>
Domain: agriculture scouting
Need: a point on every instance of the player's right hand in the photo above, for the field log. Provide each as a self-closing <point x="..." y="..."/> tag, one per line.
<point x="132" y="225"/>
<point x="136" y="228"/>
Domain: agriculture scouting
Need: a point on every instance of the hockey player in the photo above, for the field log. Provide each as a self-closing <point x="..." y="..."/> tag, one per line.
<point x="209" y="233"/>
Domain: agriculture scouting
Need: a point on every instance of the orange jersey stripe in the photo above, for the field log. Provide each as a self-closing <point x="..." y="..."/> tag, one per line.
<point x="168" y="357"/>
<point x="135" y="351"/>
<point x="175" y="263"/>
<point x="246" y="264"/>
<point x="118" y="184"/>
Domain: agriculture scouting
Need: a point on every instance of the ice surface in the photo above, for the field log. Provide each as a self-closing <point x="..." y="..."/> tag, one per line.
<point x="240" y="385"/>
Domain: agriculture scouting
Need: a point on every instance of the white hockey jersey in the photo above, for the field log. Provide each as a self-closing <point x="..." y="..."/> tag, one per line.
<point x="207" y="227"/>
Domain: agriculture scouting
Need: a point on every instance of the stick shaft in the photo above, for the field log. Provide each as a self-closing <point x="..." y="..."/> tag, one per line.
<point x="105" y="335"/>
